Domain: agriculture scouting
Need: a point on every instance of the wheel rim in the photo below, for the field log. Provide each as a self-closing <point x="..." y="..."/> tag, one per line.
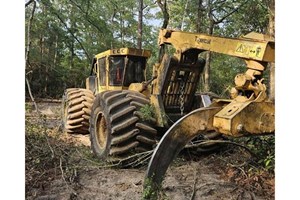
<point x="101" y="130"/>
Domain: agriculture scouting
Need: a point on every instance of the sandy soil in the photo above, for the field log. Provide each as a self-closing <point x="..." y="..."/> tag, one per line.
<point x="186" y="178"/>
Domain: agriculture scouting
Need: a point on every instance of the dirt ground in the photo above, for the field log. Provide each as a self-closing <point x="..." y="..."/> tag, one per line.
<point x="63" y="167"/>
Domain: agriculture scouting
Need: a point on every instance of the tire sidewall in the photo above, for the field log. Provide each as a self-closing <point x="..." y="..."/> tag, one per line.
<point x="98" y="111"/>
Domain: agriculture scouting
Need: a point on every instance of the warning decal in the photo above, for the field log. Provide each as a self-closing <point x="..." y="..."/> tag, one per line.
<point x="254" y="51"/>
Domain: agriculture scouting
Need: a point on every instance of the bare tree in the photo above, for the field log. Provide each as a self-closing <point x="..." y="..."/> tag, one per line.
<point x="27" y="50"/>
<point x="164" y="10"/>
<point x="213" y="20"/>
<point x="140" y="25"/>
<point x="184" y="15"/>
<point x="199" y="16"/>
<point x="28" y="3"/>
<point x="272" y="34"/>
<point x="65" y="24"/>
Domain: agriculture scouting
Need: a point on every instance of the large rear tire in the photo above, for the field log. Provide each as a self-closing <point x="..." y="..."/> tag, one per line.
<point x="76" y="110"/>
<point x="116" y="128"/>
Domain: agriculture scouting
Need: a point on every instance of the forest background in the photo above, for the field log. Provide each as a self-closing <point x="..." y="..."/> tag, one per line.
<point x="62" y="36"/>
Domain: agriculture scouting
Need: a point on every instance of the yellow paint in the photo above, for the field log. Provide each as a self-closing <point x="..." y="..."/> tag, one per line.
<point x="124" y="51"/>
<point x="116" y="52"/>
<point x="260" y="50"/>
<point x="254" y="113"/>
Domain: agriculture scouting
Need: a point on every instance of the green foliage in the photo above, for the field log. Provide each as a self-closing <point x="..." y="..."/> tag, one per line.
<point x="148" y="193"/>
<point x="66" y="34"/>
<point x="223" y="71"/>
<point x="28" y="107"/>
<point x="148" y="112"/>
<point x="233" y="18"/>
<point x="152" y="190"/>
<point x="264" y="148"/>
<point x="253" y="16"/>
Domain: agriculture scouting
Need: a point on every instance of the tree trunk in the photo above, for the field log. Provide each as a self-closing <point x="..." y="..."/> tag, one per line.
<point x="184" y="14"/>
<point x="42" y="40"/>
<point x="28" y="3"/>
<point x="207" y="72"/>
<point x="72" y="47"/>
<point x="212" y="23"/>
<point x="55" y="51"/>
<point x="140" y="25"/>
<point x="41" y="55"/>
<point x="122" y="28"/>
<point x="199" y="17"/>
<point x="27" y="49"/>
<point x="72" y="54"/>
<point x="27" y="53"/>
<point x="199" y="24"/>
<point x="30" y="94"/>
<point x="47" y="66"/>
<point x="164" y="10"/>
<point x="56" y="13"/>
<point x="272" y="34"/>
<point x="208" y="53"/>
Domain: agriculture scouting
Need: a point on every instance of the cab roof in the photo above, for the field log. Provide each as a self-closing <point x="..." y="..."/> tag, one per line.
<point x="124" y="51"/>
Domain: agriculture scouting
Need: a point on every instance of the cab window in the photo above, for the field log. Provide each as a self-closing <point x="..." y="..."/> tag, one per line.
<point x="135" y="70"/>
<point x="116" y="69"/>
<point x="102" y="68"/>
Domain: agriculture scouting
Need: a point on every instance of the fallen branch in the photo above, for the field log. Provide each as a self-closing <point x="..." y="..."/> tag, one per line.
<point x="63" y="177"/>
<point x="39" y="100"/>
<point x="84" y="158"/>
<point x="62" y="172"/>
<point x="141" y="160"/>
<point x="51" y="149"/>
<point x="119" y="162"/>
<point x="32" y="99"/>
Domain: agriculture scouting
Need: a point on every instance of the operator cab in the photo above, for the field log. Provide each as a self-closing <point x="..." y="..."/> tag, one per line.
<point x="117" y="69"/>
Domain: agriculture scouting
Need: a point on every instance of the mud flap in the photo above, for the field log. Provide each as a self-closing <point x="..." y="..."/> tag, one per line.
<point x="174" y="140"/>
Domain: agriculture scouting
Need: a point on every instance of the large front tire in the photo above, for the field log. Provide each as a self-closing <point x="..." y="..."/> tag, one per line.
<point x="116" y="128"/>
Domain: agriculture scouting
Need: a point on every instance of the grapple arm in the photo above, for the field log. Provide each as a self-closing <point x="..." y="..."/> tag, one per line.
<point x="249" y="111"/>
<point x="174" y="140"/>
